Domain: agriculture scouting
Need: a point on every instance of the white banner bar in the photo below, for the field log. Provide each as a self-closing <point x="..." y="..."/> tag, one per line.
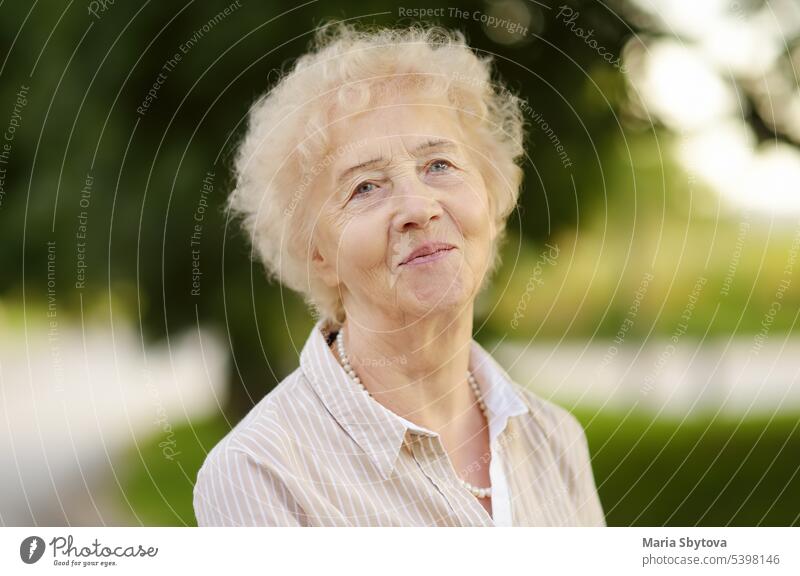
<point x="401" y="551"/>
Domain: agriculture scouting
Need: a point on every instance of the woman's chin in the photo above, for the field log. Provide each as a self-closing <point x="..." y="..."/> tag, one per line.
<point x="434" y="297"/>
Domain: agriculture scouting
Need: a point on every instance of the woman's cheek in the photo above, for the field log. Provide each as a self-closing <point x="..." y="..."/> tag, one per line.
<point x="471" y="213"/>
<point x="363" y="246"/>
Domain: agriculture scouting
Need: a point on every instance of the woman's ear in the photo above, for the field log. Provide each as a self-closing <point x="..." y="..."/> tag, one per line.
<point x="324" y="268"/>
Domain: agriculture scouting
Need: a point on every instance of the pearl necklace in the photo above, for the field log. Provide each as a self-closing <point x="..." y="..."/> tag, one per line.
<point x="476" y="491"/>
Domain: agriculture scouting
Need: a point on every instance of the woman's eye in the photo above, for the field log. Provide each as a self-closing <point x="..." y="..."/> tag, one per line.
<point x="440" y="166"/>
<point x="363" y="188"/>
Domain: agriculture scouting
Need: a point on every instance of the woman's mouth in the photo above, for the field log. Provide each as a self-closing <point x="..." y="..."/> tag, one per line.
<point x="428" y="254"/>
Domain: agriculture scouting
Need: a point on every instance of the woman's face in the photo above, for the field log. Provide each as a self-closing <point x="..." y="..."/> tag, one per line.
<point x="402" y="181"/>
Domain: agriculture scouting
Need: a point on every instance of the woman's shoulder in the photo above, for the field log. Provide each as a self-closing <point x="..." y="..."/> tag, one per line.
<point x="565" y="440"/>
<point x="265" y="434"/>
<point x="245" y="478"/>
<point x="556" y="422"/>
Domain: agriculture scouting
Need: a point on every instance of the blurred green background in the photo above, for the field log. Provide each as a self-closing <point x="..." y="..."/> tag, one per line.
<point x="649" y="282"/>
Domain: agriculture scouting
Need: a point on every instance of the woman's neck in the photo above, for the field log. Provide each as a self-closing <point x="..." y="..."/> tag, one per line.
<point x="418" y="371"/>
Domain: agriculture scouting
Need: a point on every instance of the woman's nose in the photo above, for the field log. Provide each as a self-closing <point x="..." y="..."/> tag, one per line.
<point x="416" y="205"/>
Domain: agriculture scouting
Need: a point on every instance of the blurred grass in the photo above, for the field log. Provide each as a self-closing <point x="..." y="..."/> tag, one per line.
<point x="704" y="472"/>
<point x="160" y="490"/>
<point x="591" y="286"/>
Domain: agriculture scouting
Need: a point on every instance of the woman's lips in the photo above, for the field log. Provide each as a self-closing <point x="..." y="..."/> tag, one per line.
<point x="424" y="259"/>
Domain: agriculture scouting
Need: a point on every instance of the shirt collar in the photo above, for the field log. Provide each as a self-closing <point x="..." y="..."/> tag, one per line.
<point x="376" y="429"/>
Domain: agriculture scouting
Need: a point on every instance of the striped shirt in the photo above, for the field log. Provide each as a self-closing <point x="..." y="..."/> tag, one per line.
<point x="318" y="451"/>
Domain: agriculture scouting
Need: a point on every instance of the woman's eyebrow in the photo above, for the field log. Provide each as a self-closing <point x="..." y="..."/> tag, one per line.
<point x="368" y="164"/>
<point x="425" y="147"/>
<point x="434" y="144"/>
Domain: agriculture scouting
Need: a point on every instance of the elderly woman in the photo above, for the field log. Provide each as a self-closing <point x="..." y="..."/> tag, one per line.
<point x="376" y="179"/>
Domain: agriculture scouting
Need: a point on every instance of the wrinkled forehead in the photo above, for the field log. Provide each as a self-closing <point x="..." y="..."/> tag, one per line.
<point x="391" y="130"/>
